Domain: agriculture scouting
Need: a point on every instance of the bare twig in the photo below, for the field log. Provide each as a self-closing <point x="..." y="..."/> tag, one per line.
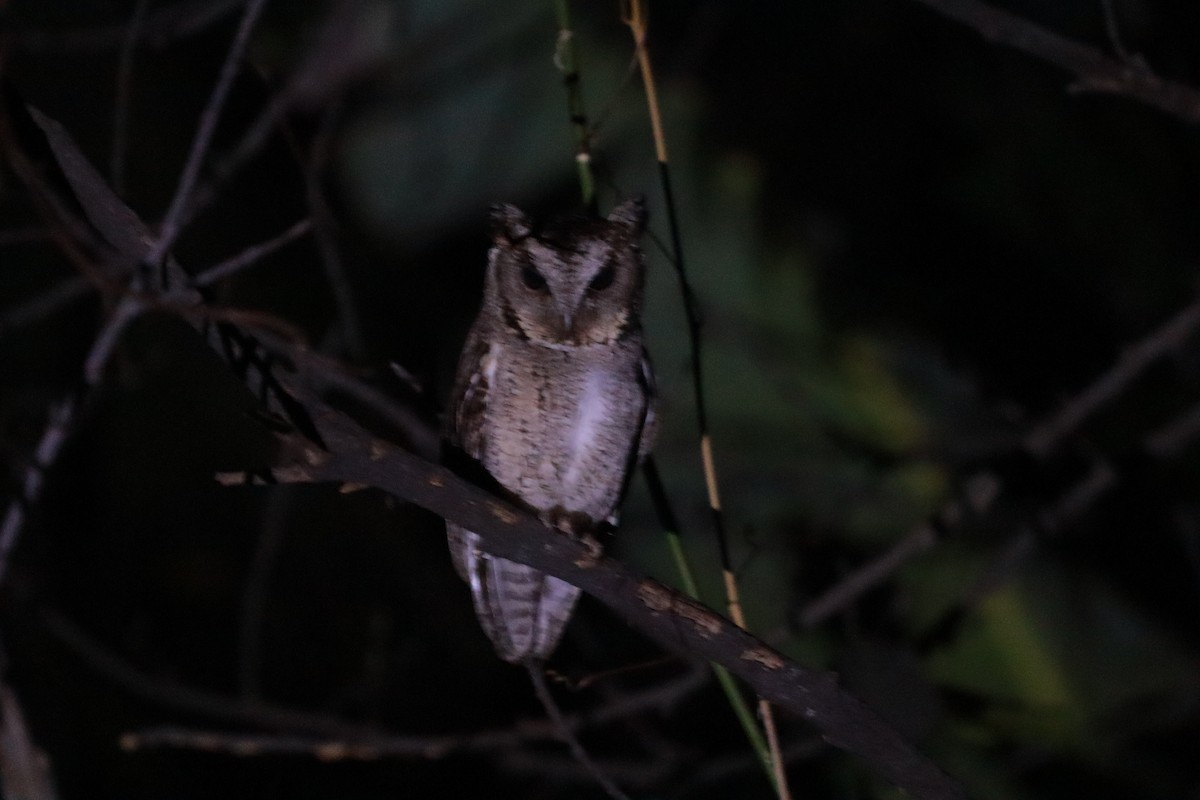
<point x="568" y="736"/>
<point x="128" y="310"/>
<point x="172" y="222"/>
<point x="1170" y="439"/>
<point x="1095" y="71"/>
<point x="842" y="594"/>
<point x="1166" y="442"/>
<point x="720" y="769"/>
<point x="160" y="28"/>
<point x="45" y="454"/>
<point x="1132" y="363"/>
<point x="310" y="733"/>
<point x="1113" y="28"/>
<point x="252" y="254"/>
<point x="24" y="235"/>
<point x="121" y="104"/>
<point x="339" y="57"/>
<point x="981" y="491"/>
<point x="255" y="591"/>
<point x="121" y="229"/>
<point x="349" y="327"/>
<point x="63" y="293"/>
<point x="1042" y="439"/>
<point x="24" y="768"/>
<point x="645" y="771"/>
<point x="173" y="694"/>
<point x="58" y="426"/>
<point x="418" y="434"/>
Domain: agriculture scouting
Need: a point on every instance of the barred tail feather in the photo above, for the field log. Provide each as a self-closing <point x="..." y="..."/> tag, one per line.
<point x="523" y="611"/>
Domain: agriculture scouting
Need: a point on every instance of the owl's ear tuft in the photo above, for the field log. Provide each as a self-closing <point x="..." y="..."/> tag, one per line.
<point x="510" y="223"/>
<point x="631" y="214"/>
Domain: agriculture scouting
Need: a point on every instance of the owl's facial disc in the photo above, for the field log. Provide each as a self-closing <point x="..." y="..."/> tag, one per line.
<point x="575" y="282"/>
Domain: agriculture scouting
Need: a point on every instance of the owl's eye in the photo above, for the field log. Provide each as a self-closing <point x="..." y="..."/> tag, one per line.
<point x="532" y="279"/>
<point x="603" y="279"/>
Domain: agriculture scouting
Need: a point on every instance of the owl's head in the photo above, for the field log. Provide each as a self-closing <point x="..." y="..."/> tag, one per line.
<point x="573" y="282"/>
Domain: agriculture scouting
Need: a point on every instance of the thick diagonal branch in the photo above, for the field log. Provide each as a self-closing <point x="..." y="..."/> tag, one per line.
<point x="357" y="458"/>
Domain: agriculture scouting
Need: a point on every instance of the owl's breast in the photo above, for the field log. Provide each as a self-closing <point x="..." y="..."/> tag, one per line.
<point x="561" y="430"/>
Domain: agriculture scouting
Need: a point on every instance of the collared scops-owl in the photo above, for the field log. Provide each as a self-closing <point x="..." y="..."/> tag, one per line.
<point x="554" y="398"/>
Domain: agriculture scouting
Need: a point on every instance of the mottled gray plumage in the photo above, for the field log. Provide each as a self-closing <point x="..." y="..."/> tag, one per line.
<point x="554" y="398"/>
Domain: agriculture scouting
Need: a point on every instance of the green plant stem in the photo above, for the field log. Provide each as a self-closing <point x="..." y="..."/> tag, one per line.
<point x="740" y="707"/>
<point x="737" y="702"/>
<point x="567" y="61"/>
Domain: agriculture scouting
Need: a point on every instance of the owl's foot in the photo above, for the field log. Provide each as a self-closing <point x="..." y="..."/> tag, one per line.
<point x="573" y="523"/>
<point x="578" y="526"/>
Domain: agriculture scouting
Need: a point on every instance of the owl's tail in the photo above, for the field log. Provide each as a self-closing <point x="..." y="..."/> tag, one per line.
<point x="523" y="611"/>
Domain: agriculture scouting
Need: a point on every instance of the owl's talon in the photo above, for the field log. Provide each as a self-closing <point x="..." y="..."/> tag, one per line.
<point x="573" y="523"/>
<point x="595" y="549"/>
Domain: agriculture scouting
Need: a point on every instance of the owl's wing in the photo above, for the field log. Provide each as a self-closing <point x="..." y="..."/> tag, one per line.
<point x="464" y="432"/>
<point x="465" y="416"/>
<point x="649" y="431"/>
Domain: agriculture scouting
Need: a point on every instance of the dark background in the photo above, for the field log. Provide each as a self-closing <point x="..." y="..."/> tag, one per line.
<point x="910" y="246"/>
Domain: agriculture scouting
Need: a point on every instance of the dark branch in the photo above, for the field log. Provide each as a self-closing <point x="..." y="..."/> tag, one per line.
<point x="357" y="458"/>
<point x="1096" y="72"/>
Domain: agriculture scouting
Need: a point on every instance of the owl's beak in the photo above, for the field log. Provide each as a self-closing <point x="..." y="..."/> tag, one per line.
<point x="567" y="306"/>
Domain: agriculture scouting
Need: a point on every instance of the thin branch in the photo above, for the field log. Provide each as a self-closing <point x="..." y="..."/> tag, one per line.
<point x="645" y="771"/>
<point x="45" y="454"/>
<point x="349" y="326"/>
<point x="979" y="492"/>
<point x="255" y="591"/>
<point x="172" y="222"/>
<point x="1131" y="364"/>
<point x="716" y="770"/>
<point x="161" y="27"/>
<point x="24" y="236"/>
<point x="343" y="52"/>
<point x="418" y="434"/>
<point x="61" y="418"/>
<point x="62" y="294"/>
<point x="192" y="700"/>
<point x="312" y="733"/>
<point x="1095" y="71"/>
<point x="1170" y="439"/>
<point x="568" y="736"/>
<point x="846" y="591"/>
<point x="128" y="309"/>
<point x="121" y="104"/>
<point x="252" y="255"/>
<point x="24" y="769"/>
<point x="1113" y="28"/>
<point x="1043" y="438"/>
<point x="120" y="228"/>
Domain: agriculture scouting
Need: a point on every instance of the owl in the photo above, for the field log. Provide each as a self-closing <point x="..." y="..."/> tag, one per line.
<point x="554" y="398"/>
